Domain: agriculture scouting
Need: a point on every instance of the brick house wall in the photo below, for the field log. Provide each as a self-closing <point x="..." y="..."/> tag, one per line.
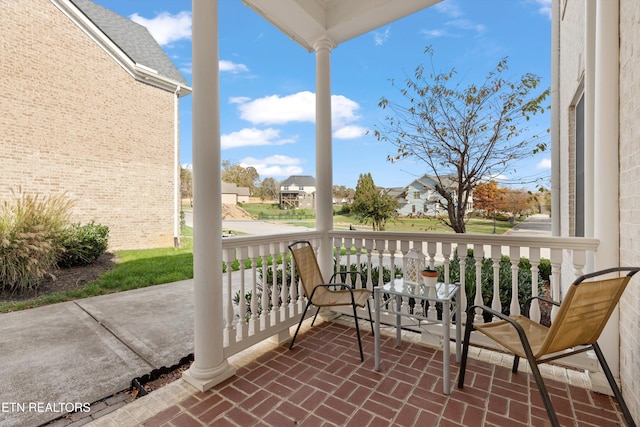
<point x="571" y="80"/>
<point x="73" y="120"/>
<point x="630" y="199"/>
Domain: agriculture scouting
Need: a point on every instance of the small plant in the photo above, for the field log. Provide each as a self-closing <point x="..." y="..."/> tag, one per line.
<point x="82" y="244"/>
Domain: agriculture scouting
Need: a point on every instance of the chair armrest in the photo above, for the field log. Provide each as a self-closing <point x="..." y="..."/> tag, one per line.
<point x="521" y="334"/>
<point x="363" y="280"/>
<point x="527" y="304"/>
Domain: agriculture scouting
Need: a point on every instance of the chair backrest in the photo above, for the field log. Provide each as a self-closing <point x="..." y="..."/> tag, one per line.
<point x="307" y="266"/>
<point x="583" y="314"/>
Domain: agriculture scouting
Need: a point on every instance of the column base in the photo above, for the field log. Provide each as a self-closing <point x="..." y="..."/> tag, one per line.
<point x="281" y="337"/>
<point x="205" y="379"/>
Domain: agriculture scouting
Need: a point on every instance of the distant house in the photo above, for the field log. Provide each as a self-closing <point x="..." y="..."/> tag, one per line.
<point x="421" y="198"/>
<point x="298" y="191"/>
<point x="232" y="194"/>
<point x="89" y="107"/>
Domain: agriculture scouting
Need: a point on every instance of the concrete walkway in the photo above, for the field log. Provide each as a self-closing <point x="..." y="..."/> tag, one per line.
<point x="55" y="357"/>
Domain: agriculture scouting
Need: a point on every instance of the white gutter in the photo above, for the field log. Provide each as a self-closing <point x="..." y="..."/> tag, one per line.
<point x="177" y="199"/>
<point x="555" y="118"/>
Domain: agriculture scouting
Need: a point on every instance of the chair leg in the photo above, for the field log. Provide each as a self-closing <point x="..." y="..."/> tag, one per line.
<point x="370" y="318"/>
<point x="465" y="349"/>
<point x="516" y="361"/>
<point x="300" y="324"/>
<point x="355" y="316"/>
<point x="551" y="413"/>
<point x="314" y="316"/>
<point x="614" y="387"/>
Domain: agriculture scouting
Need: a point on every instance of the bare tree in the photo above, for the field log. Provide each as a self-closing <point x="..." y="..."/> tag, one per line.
<point x="463" y="134"/>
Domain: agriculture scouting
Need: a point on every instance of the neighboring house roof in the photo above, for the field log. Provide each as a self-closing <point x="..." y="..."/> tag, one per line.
<point x="129" y="43"/>
<point x="232" y="188"/>
<point x="299" y="180"/>
<point x="428" y="181"/>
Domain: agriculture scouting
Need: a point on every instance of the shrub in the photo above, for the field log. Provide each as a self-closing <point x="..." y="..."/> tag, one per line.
<point x="30" y="227"/>
<point x="524" y="278"/>
<point x="82" y="244"/>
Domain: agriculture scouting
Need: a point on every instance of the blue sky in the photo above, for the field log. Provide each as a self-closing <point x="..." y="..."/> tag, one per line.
<point x="267" y="82"/>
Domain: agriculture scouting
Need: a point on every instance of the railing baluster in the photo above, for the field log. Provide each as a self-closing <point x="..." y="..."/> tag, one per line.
<point x="284" y="297"/>
<point x="254" y="253"/>
<point x="446" y="255"/>
<point x="432" y="248"/>
<point x="358" y="246"/>
<point x="265" y="315"/>
<point x="534" y="258"/>
<point x="347" y="245"/>
<point x="337" y="249"/>
<point x="478" y="255"/>
<point x="556" y="266"/>
<point x="463" y="281"/>
<point x="229" y="256"/>
<point x="242" y="302"/>
<point x="368" y="244"/>
<point x="380" y="244"/>
<point x="392" y="247"/>
<point x="514" y="255"/>
<point x="496" y="255"/>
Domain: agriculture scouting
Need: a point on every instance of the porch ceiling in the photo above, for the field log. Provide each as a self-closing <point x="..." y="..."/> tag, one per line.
<point x="308" y="21"/>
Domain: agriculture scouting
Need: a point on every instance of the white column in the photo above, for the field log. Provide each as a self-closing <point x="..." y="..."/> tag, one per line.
<point x="589" y="123"/>
<point x="209" y="367"/>
<point x="555" y="119"/>
<point x="324" y="159"/>
<point x="606" y="171"/>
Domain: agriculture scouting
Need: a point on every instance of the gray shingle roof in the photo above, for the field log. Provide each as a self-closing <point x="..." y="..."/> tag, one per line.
<point x="300" y="180"/>
<point x="132" y="38"/>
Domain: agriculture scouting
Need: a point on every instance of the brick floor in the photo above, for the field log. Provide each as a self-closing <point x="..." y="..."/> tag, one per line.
<point x="321" y="382"/>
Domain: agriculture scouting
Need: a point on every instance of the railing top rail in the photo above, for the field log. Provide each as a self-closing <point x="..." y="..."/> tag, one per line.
<point x="552" y="242"/>
<point x="249" y="240"/>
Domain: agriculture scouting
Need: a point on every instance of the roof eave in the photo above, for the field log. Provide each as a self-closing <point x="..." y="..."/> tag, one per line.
<point x="138" y="71"/>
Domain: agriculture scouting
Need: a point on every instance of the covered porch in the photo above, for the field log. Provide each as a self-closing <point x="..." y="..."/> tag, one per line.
<point x="224" y="328"/>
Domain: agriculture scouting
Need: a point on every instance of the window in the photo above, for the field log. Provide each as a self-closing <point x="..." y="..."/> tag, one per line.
<point x="579" y="170"/>
<point x="416" y="194"/>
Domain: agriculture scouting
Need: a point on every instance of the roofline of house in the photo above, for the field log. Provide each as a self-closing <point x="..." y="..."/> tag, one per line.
<point x="139" y="72"/>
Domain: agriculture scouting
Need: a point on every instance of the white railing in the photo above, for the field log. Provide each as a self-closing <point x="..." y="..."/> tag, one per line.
<point x="268" y="314"/>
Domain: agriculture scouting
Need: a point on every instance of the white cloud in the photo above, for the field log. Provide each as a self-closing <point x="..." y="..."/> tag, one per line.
<point x="544" y="7"/>
<point x="232" y="67"/>
<point x="299" y="107"/>
<point x="457" y="23"/>
<point x="379" y="37"/>
<point x="465" y="24"/>
<point x="349" y="132"/>
<point x="449" y="7"/>
<point x="239" y="99"/>
<point x="277" y="165"/>
<point x="434" y="33"/>
<point x="252" y="137"/>
<point x="167" y="28"/>
<point x="544" y="164"/>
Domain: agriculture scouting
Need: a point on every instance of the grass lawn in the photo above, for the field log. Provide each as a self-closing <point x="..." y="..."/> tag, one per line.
<point x="135" y="269"/>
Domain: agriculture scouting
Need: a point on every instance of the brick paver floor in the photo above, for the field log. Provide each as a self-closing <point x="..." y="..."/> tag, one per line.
<point x="321" y="382"/>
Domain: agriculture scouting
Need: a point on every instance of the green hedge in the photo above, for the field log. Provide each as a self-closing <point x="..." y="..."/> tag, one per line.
<point x="82" y="244"/>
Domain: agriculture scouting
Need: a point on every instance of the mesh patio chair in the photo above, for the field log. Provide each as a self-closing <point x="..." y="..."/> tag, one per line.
<point x="580" y="319"/>
<point x="322" y="294"/>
